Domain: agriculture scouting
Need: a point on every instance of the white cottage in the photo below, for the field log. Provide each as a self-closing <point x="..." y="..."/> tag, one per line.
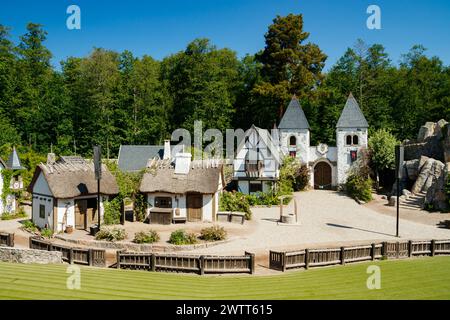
<point x="182" y="190"/>
<point x="329" y="165"/>
<point x="64" y="194"/>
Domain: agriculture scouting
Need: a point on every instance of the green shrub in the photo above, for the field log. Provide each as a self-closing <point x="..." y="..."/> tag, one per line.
<point x="180" y="237"/>
<point x="146" y="237"/>
<point x="29" y="226"/>
<point x="20" y="214"/>
<point x="235" y="201"/>
<point x="115" y="234"/>
<point x="47" y="233"/>
<point x="359" y="188"/>
<point x="301" y="178"/>
<point x="214" y="233"/>
<point x="112" y="211"/>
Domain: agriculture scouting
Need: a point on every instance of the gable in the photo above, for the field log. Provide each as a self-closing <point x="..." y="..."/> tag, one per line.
<point x="40" y="185"/>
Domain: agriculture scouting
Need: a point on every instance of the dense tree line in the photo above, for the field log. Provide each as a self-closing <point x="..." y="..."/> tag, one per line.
<point x="112" y="98"/>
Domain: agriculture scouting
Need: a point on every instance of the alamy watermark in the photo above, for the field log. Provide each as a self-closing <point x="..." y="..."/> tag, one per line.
<point x="374" y="280"/>
<point x="73" y="22"/>
<point x="374" y="20"/>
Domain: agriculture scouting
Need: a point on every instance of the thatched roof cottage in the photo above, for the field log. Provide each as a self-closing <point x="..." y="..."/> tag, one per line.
<point x="182" y="190"/>
<point x="64" y="193"/>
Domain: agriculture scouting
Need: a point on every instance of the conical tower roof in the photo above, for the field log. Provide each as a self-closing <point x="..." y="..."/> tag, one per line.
<point x="14" y="161"/>
<point x="294" y="117"/>
<point x="352" y="116"/>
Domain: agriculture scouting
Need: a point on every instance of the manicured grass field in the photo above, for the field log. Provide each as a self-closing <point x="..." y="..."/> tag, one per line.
<point x="425" y="278"/>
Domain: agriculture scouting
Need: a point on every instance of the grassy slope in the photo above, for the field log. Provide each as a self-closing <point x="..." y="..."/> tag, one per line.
<point x="426" y="278"/>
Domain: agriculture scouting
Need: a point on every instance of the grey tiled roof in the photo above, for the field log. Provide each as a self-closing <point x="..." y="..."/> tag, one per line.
<point x="135" y="158"/>
<point x="352" y="116"/>
<point x="14" y="161"/>
<point x="294" y="117"/>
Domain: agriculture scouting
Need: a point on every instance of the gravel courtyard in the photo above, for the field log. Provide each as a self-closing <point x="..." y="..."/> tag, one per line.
<point x="326" y="218"/>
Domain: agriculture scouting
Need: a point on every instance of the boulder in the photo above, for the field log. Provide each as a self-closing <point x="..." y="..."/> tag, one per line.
<point x="436" y="197"/>
<point x="412" y="169"/>
<point x="426" y="131"/>
<point x="430" y="170"/>
<point x="406" y="193"/>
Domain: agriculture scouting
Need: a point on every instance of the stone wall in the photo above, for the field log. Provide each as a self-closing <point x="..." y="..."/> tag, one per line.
<point x="16" y="255"/>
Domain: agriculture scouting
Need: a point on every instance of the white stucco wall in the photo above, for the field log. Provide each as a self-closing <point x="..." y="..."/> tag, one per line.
<point x="2" y="206"/>
<point x="42" y="195"/>
<point x="302" y="139"/>
<point x="343" y="151"/>
<point x="207" y="211"/>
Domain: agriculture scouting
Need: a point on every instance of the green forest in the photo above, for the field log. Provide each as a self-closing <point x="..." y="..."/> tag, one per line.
<point x="112" y="98"/>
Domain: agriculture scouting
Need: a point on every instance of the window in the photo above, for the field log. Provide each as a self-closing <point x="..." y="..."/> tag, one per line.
<point x="353" y="155"/>
<point x="292" y="141"/>
<point x="352" y="140"/>
<point x="348" y="140"/>
<point x="255" y="187"/>
<point x="42" y="211"/>
<point x="163" y="202"/>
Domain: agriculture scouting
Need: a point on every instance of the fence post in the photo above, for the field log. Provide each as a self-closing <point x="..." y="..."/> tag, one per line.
<point x="342" y="255"/>
<point x="397" y="247"/>
<point x="283" y="261"/>
<point x="30" y="242"/>
<point x="202" y="265"/>
<point x="118" y="259"/>
<point x="153" y="262"/>
<point x="384" y="250"/>
<point x="50" y="247"/>
<point x="11" y="240"/>
<point x="374" y="248"/>
<point x="306" y="258"/>
<point x="91" y="257"/>
<point x="252" y="261"/>
<point x="71" y="256"/>
<point x="433" y="247"/>
<point x="410" y="248"/>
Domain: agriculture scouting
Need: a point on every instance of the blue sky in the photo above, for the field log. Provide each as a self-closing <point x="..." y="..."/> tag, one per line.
<point x="159" y="28"/>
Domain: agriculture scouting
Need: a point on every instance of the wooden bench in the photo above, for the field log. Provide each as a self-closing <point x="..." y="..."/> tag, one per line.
<point x="234" y="217"/>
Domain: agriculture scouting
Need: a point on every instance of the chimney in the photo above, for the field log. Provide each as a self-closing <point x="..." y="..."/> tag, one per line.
<point x="51" y="158"/>
<point x="182" y="163"/>
<point x="167" y="154"/>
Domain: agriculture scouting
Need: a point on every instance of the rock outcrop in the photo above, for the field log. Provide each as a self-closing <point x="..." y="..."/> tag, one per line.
<point x="427" y="165"/>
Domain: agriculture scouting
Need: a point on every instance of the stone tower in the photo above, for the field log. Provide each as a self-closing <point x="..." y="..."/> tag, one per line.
<point x="351" y="137"/>
<point x="294" y="132"/>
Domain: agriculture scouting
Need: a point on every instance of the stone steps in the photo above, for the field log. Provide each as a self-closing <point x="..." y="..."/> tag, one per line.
<point x="413" y="202"/>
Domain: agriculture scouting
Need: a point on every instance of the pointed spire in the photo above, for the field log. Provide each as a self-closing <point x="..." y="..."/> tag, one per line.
<point x="352" y="116"/>
<point x="14" y="161"/>
<point x="294" y="117"/>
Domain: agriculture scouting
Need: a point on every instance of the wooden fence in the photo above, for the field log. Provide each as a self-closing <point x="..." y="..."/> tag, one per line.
<point x="200" y="264"/>
<point x="83" y="256"/>
<point x="7" y="239"/>
<point x="306" y="258"/>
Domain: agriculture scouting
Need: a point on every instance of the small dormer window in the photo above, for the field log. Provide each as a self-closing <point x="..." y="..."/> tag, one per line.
<point x="292" y="141"/>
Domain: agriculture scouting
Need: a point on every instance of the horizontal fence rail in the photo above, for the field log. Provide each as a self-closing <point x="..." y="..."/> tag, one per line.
<point x="82" y="256"/>
<point x="200" y="264"/>
<point x="6" y="239"/>
<point x="306" y="258"/>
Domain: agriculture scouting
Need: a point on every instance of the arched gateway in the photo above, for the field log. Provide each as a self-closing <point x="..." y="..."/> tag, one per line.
<point x="322" y="176"/>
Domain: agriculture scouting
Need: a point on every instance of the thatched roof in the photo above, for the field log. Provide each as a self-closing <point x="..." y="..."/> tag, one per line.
<point x="72" y="179"/>
<point x="201" y="178"/>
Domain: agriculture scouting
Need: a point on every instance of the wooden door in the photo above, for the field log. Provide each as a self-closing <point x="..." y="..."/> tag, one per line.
<point x="322" y="176"/>
<point x="194" y="203"/>
<point x="81" y="214"/>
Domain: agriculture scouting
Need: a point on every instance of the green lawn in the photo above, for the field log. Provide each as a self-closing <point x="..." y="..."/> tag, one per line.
<point x="425" y="278"/>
